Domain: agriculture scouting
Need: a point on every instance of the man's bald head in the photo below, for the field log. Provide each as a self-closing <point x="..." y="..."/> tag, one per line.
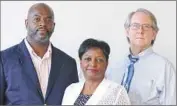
<point x="41" y="6"/>
<point x="40" y="23"/>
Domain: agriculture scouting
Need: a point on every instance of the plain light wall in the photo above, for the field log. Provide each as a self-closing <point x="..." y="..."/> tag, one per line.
<point x="78" y="20"/>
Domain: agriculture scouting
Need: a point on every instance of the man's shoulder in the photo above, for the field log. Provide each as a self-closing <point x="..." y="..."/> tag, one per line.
<point x="159" y="58"/>
<point x="162" y="61"/>
<point x="10" y="51"/>
<point x="10" y="54"/>
<point x="61" y="53"/>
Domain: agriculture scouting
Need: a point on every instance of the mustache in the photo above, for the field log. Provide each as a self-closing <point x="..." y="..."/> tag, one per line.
<point x="43" y="28"/>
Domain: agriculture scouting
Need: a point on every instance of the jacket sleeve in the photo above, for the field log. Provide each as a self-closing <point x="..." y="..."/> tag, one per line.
<point x="2" y="82"/>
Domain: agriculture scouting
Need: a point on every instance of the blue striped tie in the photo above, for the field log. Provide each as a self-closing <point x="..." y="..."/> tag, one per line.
<point x="127" y="82"/>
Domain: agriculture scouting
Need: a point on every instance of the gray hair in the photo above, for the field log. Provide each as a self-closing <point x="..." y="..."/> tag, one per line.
<point x="150" y="14"/>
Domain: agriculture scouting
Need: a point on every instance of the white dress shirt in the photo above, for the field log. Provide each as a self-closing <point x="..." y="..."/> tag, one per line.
<point x="154" y="80"/>
<point x="42" y="65"/>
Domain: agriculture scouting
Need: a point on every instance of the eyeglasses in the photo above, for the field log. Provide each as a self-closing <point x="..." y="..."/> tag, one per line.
<point x="136" y="26"/>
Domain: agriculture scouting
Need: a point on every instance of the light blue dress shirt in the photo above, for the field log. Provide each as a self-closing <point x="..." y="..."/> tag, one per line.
<point x="154" y="80"/>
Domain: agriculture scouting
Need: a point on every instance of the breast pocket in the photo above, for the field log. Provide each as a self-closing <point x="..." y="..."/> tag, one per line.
<point x="153" y="95"/>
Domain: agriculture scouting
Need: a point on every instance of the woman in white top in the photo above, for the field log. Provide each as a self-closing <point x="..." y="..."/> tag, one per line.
<point x="96" y="89"/>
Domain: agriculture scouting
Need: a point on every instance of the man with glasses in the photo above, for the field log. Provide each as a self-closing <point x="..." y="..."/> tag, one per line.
<point x="149" y="78"/>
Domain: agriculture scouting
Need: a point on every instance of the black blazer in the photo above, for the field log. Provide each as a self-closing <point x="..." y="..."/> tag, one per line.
<point x="21" y="81"/>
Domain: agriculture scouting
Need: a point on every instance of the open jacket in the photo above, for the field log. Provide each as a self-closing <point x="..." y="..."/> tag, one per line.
<point x="19" y="82"/>
<point x="107" y="93"/>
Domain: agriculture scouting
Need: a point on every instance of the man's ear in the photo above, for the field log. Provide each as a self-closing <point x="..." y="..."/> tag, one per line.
<point x="127" y="32"/>
<point x="26" y="23"/>
<point x="53" y="25"/>
<point x="154" y="34"/>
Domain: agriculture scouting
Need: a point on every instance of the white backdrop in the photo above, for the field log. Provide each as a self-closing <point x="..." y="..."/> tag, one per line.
<point x="78" y="20"/>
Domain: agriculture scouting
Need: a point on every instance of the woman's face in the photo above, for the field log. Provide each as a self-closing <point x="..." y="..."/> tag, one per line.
<point x="93" y="64"/>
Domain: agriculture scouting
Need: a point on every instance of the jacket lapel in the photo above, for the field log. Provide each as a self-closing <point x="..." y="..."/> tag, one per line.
<point x="56" y="65"/>
<point x="76" y="92"/>
<point x="99" y="93"/>
<point x="28" y="67"/>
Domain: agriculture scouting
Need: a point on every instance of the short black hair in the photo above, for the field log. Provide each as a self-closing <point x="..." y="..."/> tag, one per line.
<point x="93" y="43"/>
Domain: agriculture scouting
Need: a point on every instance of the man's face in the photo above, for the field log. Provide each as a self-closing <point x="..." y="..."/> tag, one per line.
<point x="40" y="24"/>
<point x="140" y="32"/>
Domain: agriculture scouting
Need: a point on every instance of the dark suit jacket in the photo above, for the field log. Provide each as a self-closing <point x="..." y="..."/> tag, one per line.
<point x="21" y="82"/>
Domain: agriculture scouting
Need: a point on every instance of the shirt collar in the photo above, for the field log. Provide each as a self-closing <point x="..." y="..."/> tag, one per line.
<point x="31" y="51"/>
<point x="144" y="53"/>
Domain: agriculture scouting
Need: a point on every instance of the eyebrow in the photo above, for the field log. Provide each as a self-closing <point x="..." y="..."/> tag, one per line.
<point x="36" y="15"/>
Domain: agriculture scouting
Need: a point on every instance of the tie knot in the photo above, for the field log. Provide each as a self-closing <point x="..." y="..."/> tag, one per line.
<point x="133" y="59"/>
